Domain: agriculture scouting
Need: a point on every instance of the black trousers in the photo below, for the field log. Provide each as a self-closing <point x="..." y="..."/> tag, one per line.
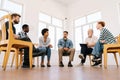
<point x="85" y="51"/>
<point x="26" y="51"/>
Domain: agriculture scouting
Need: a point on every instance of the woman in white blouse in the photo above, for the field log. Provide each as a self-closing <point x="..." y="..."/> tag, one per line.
<point x="44" y="42"/>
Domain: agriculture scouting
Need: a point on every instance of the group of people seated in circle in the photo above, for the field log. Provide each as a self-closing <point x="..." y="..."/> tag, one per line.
<point x="65" y="45"/>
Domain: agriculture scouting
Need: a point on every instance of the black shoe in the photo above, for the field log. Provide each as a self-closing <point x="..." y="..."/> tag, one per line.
<point x="48" y="65"/>
<point x="97" y="63"/>
<point x="61" y="64"/>
<point x="81" y="56"/>
<point x="70" y="65"/>
<point x="42" y="65"/>
<point x="95" y="59"/>
<point x="27" y="66"/>
<point x="81" y="64"/>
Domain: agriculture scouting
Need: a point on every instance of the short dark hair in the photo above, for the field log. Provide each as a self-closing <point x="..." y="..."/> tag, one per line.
<point x="65" y="32"/>
<point x="14" y="15"/>
<point x="44" y="31"/>
<point x="102" y="23"/>
<point x="25" y="26"/>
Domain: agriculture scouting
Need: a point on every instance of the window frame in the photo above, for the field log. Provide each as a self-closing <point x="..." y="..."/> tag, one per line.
<point x="87" y="23"/>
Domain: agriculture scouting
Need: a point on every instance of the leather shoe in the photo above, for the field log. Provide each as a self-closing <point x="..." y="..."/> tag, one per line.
<point x="70" y="65"/>
<point x="27" y="66"/>
<point x="61" y="64"/>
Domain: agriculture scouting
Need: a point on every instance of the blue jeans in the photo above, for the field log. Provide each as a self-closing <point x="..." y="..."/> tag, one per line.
<point x="42" y="49"/>
<point x="48" y="53"/>
<point x="98" y="49"/>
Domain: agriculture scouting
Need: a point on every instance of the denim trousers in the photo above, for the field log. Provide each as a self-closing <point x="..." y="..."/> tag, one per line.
<point x="48" y="53"/>
<point x="98" y="49"/>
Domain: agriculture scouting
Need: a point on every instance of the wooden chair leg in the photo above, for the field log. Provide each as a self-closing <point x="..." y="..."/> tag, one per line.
<point x="21" y="59"/>
<point x="30" y="55"/>
<point x="4" y="60"/>
<point x="16" y="53"/>
<point x="105" y="58"/>
<point x="116" y="59"/>
<point x="90" y="60"/>
<point x="6" y="56"/>
<point x="12" y="60"/>
<point x="37" y="61"/>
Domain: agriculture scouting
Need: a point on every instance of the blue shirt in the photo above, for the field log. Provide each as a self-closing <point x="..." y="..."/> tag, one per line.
<point x="62" y="43"/>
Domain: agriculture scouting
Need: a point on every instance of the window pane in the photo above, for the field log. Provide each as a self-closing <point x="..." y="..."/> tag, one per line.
<point x="2" y="13"/>
<point x="52" y="35"/>
<point x="45" y="18"/>
<point x="41" y="26"/>
<point x="96" y="32"/>
<point x="57" y="22"/>
<point x="94" y="17"/>
<point x="85" y="32"/>
<point x="80" y="21"/>
<point x="13" y="7"/>
<point x="59" y="33"/>
<point x="78" y="37"/>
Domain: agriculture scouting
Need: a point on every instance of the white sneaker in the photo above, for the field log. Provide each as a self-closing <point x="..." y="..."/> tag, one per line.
<point x="81" y="56"/>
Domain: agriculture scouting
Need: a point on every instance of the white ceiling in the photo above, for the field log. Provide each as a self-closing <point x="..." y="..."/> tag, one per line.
<point x="66" y="2"/>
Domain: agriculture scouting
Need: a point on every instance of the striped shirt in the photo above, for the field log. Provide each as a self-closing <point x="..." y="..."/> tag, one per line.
<point x="106" y="35"/>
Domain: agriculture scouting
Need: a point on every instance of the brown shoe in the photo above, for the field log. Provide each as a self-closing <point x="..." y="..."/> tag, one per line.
<point x="81" y="56"/>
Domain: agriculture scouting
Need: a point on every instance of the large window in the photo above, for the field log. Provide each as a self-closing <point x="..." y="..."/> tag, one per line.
<point x="54" y="25"/>
<point x="83" y="24"/>
<point x="12" y="7"/>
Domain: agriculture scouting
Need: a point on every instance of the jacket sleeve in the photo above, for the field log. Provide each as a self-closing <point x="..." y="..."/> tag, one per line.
<point x="60" y="44"/>
<point x="71" y="44"/>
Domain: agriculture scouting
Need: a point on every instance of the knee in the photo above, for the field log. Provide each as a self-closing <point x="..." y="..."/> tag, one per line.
<point x="49" y="49"/>
<point x="73" y="49"/>
<point x="60" y="49"/>
<point x="42" y="50"/>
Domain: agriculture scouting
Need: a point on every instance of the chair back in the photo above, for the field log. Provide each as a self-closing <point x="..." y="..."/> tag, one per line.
<point x="118" y="39"/>
<point x="3" y="20"/>
<point x="0" y="35"/>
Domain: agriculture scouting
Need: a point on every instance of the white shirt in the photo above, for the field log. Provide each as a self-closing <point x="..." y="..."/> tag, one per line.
<point x="42" y="43"/>
<point x="93" y="39"/>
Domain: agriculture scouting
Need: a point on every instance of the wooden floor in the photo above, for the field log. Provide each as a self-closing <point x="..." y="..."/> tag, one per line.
<point x="56" y="73"/>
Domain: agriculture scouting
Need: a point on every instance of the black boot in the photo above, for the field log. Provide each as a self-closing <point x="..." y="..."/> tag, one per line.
<point x="69" y="64"/>
<point x="61" y="64"/>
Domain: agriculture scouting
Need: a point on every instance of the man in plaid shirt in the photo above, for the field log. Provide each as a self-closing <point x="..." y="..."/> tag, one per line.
<point x="106" y="37"/>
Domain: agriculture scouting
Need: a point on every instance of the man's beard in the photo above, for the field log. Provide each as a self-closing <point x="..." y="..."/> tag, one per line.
<point x="16" y="22"/>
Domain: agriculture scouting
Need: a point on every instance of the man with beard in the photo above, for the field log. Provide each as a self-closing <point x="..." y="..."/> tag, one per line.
<point x="36" y="52"/>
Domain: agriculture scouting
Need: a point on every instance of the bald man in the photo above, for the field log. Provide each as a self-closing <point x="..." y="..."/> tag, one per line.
<point x="90" y="41"/>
